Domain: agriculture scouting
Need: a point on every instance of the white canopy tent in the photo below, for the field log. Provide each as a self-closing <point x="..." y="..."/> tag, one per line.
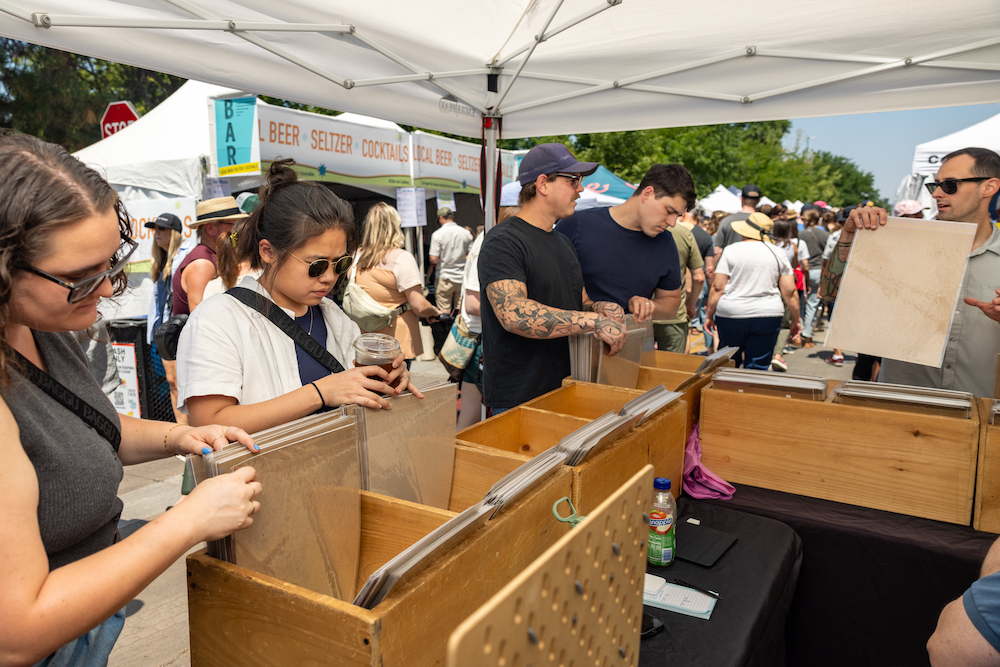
<point x="721" y="199"/>
<point x="927" y="156"/>
<point x="548" y="66"/>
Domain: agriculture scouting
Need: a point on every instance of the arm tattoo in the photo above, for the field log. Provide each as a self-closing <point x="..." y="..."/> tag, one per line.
<point x="526" y="317"/>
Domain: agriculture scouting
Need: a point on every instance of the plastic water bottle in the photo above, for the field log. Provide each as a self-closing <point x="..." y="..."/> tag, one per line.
<point x="661" y="524"/>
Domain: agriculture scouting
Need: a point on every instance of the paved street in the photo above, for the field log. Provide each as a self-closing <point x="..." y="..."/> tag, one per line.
<point x="156" y="632"/>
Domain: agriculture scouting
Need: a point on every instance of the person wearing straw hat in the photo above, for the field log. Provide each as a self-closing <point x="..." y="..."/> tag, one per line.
<point x="744" y="304"/>
<point x="215" y="218"/>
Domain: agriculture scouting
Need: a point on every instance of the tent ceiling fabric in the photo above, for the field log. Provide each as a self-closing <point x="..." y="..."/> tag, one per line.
<point x="603" y="65"/>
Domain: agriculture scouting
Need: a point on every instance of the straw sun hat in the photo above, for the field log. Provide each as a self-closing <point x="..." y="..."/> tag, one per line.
<point x="220" y="209"/>
<point x="752" y="227"/>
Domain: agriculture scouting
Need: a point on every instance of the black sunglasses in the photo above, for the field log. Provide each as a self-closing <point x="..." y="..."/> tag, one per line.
<point x="81" y="290"/>
<point x="574" y="179"/>
<point x="950" y="185"/>
<point x="319" y="267"/>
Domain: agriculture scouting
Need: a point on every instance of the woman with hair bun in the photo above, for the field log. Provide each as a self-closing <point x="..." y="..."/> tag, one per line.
<point x="65" y="239"/>
<point x="234" y="365"/>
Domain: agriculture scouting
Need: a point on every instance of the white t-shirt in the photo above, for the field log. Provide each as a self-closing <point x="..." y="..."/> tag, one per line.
<point x="752" y="291"/>
<point x="216" y="286"/>
<point x="229" y="349"/>
<point x="790" y="251"/>
<point x="450" y="244"/>
<point x="471" y="282"/>
<point x="831" y="244"/>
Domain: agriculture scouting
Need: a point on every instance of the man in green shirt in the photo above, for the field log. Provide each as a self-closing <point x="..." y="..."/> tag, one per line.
<point x="672" y="335"/>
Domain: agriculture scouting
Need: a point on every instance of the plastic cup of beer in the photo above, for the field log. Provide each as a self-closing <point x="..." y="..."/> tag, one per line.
<point x="375" y="349"/>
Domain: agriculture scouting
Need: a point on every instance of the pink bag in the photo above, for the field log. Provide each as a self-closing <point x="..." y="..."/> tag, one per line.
<point x="699" y="481"/>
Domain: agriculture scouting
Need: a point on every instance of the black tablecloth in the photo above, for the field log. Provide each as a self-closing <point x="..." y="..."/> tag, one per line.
<point x="755" y="579"/>
<point x="872" y="583"/>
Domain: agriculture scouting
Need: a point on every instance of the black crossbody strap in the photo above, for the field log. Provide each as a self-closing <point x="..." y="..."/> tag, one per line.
<point x="273" y="312"/>
<point x="91" y="416"/>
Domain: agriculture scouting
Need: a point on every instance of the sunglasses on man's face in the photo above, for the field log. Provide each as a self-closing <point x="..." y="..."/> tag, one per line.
<point x="574" y="179"/>
<point x="950" y="185"/>
<point x="319" y="267"/>
<point x="80" y="290"/>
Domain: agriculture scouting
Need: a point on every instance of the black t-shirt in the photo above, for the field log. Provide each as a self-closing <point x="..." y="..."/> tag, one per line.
<point x="706" y="246"/>
<point x="517" y="369"/>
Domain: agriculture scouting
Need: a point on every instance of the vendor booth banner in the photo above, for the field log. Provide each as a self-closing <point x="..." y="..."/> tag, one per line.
<point x="327" y="149"/>
<point x="235" y="135"/>
<point x="440" y="163"/>
<point x="141" y="211"/>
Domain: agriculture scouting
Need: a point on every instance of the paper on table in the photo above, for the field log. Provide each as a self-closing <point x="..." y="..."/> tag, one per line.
<point x="899" y="290"/>
<point x="681" y="600"/>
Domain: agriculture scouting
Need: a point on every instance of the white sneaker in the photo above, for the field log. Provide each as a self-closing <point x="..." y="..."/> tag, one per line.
<point x="778" y="364"/>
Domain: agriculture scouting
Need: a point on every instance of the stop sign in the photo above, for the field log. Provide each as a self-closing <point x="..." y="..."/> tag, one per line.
<point x="117" y="116"/>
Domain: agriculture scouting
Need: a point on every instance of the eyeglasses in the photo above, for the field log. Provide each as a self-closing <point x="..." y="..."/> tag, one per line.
<point x="319" y="267"/>
<point x="81" y="290"/>
<point x="950" y="185"/>
<point x="574" y="179"/>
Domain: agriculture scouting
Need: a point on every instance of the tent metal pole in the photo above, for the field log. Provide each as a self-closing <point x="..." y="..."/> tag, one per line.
<point x="15" y="11"/>
<point x="555" y="31"/>
<point x="539" y="38"/>
<point x="816" y="83"/>
<point x="425" y="76"/>
<point x="74" y="21"/>
<point x="402" y="62"/>
<point x="729" y="55"/>
<point x="492" y="154"/>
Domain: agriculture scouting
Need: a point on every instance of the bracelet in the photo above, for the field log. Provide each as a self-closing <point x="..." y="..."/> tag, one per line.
<point x="167" y="435"/>
<point x="321" y="399"/>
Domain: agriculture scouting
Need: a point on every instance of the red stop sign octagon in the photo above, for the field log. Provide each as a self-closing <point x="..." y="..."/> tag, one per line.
<point x="117" y="116"/>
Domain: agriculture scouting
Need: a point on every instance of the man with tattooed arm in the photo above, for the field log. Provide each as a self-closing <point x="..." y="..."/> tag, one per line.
<point x="533" y="283"/>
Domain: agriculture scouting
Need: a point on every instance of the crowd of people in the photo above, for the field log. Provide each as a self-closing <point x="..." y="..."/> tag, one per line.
<point x="265" y="341"/>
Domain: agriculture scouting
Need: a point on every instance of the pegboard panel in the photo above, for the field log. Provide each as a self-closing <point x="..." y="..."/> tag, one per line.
<point x="579" y="604"/>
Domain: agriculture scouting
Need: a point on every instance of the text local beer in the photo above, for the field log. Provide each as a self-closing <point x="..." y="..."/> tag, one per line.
<point x="117" y="116"/>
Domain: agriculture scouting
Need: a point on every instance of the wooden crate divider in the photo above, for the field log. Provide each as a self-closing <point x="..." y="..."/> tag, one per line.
<point x="920" y="465"/>
<point x="240" y="616"/>
<point x="987" y="511"/>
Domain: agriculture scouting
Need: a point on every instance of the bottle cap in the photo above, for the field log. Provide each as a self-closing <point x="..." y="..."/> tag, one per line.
<point x="661" y="484"/>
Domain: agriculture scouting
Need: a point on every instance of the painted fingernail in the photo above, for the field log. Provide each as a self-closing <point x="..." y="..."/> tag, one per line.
<point x="256" y="447"/>
<point x="206" y="450"/>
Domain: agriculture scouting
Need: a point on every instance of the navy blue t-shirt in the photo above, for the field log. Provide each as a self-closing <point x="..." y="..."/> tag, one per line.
<point x="620" y="263"/>
<point x="311" y="370"/>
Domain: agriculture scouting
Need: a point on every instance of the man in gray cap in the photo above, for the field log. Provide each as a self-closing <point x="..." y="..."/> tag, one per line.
<point x="534" y="289"/>
<point x="449" y="247"/>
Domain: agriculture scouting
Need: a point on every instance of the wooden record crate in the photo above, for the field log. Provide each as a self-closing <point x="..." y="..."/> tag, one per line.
<point x="670" y="369"/>
<point x="987" y="510"/>
<point x="916" y="464"/>
<point x="238" y="616"/>
<point x="539" y="424"/>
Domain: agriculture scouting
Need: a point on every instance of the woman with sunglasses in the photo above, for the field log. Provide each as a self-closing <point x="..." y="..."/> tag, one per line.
<point x="65" y="577"/>
<point x="236" y="366"/>
<point x="390" y="275"/>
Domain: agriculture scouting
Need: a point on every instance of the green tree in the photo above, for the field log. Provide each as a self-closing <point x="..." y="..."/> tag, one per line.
<point x="60" y="96"/>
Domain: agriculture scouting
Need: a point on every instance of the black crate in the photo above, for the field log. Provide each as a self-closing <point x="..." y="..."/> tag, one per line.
<point x="154" y="392"/>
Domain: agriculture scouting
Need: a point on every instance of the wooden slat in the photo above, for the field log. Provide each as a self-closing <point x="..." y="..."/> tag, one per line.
<point x="390" y="525"/>
<point x="417" y="620"/>
<point x="240" y="617"/>
<point x="987" y="512"/>
<point x="476" y="470"/>
<point x="523" y="430"/>
<point x="921" y="465"/>
<point x="687" y="363"/>
<point x="583" y="399"/>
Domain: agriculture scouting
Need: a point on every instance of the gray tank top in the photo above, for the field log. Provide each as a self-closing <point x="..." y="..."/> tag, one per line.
<point x="78" y="471"/>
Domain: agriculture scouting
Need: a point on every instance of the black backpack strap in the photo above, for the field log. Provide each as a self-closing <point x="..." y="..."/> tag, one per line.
<point x="64" y="396"/>
<point x="287" y="325"/>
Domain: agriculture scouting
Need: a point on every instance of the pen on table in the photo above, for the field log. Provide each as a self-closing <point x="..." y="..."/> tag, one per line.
<point x="681" y="582"/>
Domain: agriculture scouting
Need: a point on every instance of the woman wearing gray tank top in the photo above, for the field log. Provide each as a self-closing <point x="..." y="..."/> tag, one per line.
<point x="65" y="577"/>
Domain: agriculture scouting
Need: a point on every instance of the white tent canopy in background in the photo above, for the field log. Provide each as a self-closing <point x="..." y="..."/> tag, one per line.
<point x="560" y="66"/>
<point x="721" y="199"/>
<point x="927" y="156"/>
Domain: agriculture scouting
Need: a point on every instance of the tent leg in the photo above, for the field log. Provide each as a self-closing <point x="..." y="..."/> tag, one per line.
<point x="492" y="158"/>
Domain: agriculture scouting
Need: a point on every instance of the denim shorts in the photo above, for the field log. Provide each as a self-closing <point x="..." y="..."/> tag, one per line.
<point x="90" y="650"/>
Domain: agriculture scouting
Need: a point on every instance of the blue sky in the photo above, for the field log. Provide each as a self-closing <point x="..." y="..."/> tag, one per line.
<point x="883" y="143"/>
